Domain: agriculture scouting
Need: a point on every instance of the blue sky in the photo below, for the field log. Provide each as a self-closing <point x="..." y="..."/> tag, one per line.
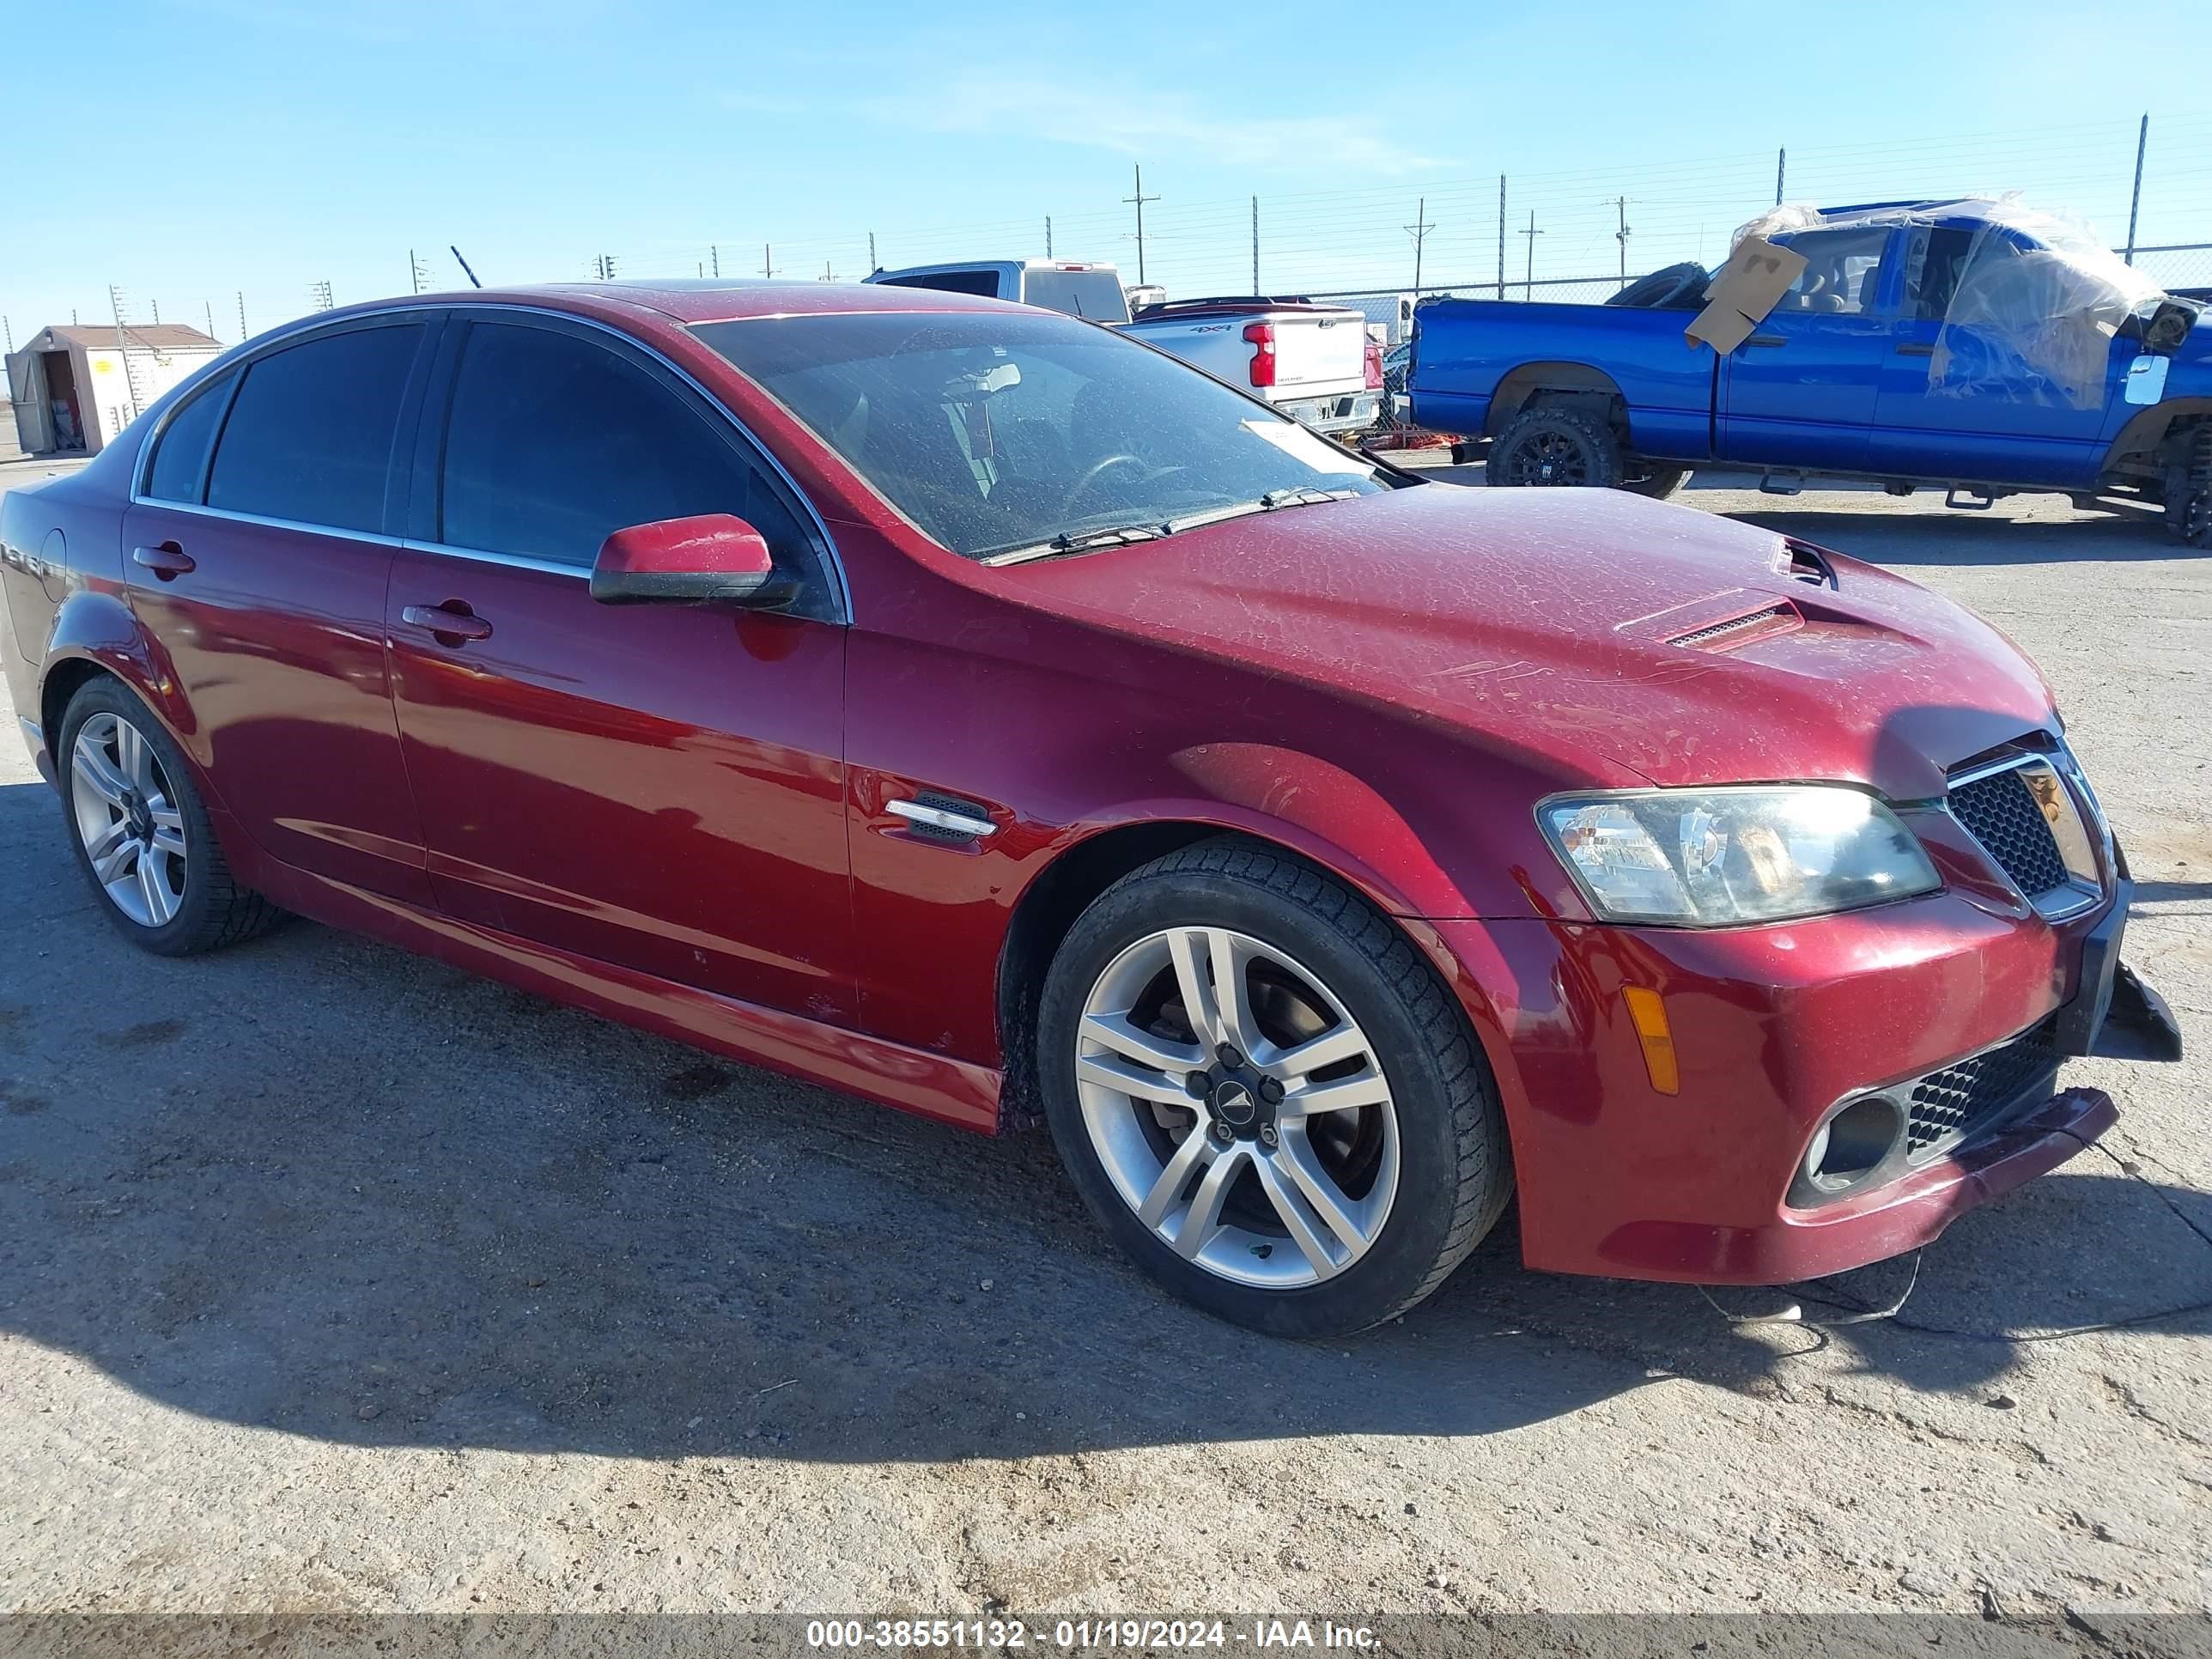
<point x="187" y="149"/>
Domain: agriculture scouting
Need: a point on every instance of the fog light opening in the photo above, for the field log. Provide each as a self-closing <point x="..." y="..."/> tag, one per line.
<point x="1852" y="1143"/>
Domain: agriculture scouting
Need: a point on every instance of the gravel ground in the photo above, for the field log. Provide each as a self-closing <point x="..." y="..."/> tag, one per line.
<point x="331" y="1279"/>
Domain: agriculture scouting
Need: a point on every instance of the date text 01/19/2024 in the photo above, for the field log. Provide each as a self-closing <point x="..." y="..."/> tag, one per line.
<point x="1084" y="1634"/>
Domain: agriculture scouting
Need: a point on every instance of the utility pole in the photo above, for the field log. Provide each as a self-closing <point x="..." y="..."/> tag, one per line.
<point x="319" y="294"/>
<point x="1529" y="280"/>
<point x="1501" y="235"/>
<point x="605" y="266"/>
<point x="715" y="259"/>
<point x="1781" y="168"/>
<point x="768" y="261"/>
<point x="1620" y="203"/>
<point x="2134" y="201"/>
<point x="417" y="272"/>
<point x="8" y="329"/>
<point x="206" y="305"/>
<point x="156" y="304"/>
<point x="1140" y="198"/>
<point x="873" y="264"/>
<point x="241" y="313"/>
<point x="1419" y="230"/>
<point x="828" y="275"/>
<point x="1255" y="245"/>
<point x="1047" y="236"/>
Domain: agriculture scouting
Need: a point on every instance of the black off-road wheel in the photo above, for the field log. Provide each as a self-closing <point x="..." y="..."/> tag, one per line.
<point x="141" y="832"/>
<point x="1556" y="447"/>
<point x="1266" y="1094"/>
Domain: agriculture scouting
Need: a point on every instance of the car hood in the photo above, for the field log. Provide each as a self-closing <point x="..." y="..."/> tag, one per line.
<point x="1577" y="628"/>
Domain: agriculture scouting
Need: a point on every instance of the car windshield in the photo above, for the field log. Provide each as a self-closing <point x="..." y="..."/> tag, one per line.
<point x="1000" y="432"/>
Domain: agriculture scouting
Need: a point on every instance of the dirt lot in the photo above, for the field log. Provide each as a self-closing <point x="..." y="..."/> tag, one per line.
<point x="333" y="1278"/>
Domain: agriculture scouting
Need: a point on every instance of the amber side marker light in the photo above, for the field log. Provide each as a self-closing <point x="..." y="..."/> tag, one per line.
<point x="1649" y="1010"/>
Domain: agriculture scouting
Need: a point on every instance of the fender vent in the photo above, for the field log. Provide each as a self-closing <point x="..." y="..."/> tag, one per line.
<point x="1759" y="624"/>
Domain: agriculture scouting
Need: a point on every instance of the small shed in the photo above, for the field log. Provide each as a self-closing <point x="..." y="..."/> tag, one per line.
<point x="76" y="387"/>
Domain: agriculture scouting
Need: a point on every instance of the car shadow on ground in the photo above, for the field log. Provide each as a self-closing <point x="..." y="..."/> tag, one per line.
<point x="323" y="1187"/>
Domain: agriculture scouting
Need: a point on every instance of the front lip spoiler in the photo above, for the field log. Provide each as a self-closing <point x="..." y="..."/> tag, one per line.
<point x="2138" y="1025"/>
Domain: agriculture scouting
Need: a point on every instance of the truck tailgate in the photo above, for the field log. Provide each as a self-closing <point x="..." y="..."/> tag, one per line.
<point x="1316" y="354"/>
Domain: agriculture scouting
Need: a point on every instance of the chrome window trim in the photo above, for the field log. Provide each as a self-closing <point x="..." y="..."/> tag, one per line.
<point x="840" y="595"/>
<point x="2089" y="873"/>
<point x="511" y="560"/>
<point x="377" y="538"/>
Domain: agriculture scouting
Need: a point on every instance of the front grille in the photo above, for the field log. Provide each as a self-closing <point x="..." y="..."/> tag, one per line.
<point x="1948" y="1105"/>
<point x="2000" y="811"/>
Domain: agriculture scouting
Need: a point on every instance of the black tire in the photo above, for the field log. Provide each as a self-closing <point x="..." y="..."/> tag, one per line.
<point x="1676" y="285"/>
<point x="1658" y="482"/>
<point x="215" y="910"/>
<point x="1455" y="1169"/>
<point x="1554" y="445"/>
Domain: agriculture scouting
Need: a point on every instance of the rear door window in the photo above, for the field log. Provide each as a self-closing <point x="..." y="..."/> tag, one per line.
<point x="553" y="441"/>
<point x="1841" y="268"/>
<point x="181" y="452"/>
<point x="309" y="436"/>
<point x="1093" y="295"/>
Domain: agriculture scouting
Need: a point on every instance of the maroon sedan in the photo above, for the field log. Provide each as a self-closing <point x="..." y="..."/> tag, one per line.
<point x="973" y="709"/>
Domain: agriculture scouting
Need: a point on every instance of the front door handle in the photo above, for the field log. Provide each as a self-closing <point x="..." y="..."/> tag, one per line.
<point x="168" y="562"/>
<point x="453" y="623"/>
<point x="1768" y="340"/>
<point x="1916" y="351"/>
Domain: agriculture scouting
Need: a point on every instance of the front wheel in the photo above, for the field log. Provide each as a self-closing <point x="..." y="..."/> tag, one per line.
<point x="1266" y="1095"/>
<point x="1554" y="445"/>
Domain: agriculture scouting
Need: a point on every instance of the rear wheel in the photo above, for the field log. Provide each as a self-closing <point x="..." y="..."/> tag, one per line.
<point x="1266" y="1094"/>
<point x="1554" y="445"/>
<point x="1656" y="482"/>
<point x="142" y="833"/>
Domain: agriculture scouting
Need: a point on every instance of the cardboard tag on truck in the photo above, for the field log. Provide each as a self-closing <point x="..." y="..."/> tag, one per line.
<point x="1757" y="275"/>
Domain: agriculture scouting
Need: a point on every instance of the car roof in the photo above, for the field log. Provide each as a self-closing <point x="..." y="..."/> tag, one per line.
<point x="685" y="300"/>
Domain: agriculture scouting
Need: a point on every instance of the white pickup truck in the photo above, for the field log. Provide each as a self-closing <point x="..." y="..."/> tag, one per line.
<point x="1313" y="362"/>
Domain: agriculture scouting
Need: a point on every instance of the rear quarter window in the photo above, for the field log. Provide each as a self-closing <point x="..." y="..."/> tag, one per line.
<point x="180" y="453"/>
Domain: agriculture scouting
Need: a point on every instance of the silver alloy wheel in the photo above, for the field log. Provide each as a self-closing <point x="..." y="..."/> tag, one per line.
<point x="1263" y="1145"/>
<point x="127" y="819"/>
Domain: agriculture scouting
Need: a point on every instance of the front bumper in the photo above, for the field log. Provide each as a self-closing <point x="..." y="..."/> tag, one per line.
<point x="1773" y="1028"/>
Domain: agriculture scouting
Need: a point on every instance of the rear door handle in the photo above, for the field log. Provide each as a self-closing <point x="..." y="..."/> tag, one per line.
<point x="453" y="622"/>
<point x="1916" y="351"/>
<point x="1768" y="340"/>
<point x="168" y="562"/>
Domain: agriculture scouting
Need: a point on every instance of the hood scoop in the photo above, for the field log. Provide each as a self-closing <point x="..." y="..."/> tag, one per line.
<point x="1769" y="620"/>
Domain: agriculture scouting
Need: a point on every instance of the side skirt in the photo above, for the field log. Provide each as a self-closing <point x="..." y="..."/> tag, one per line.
<point x="932" y="1086"/>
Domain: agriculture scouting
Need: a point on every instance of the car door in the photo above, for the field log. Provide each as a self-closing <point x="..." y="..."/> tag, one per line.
<point x="1964" y="402"/>
<point x="260" y="543"/>
<point x="1799" y="392"/>
<point x="658" y="786"/>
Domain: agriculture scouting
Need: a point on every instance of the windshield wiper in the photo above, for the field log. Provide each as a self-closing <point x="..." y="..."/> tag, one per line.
<point x="1300" y="495"/>
<point x="1122" y="535"/>
<point x="1119" y="536"/>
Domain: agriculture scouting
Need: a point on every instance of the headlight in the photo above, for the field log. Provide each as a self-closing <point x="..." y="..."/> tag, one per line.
<point x="1717" y="858"/>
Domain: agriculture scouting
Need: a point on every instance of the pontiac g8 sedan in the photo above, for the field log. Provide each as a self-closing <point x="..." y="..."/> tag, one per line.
<point x="968" y="707"/>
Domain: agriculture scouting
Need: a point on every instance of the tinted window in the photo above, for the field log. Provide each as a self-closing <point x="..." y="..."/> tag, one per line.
<point x="997" y="432"/>
<point x="309" y="437"/>
<point x="180" y="456"/>
<point x="982" y="282"/>
<point x="1095" y="295"/>
<point x="554" y="441"/>
<point x="1938" y="256"/>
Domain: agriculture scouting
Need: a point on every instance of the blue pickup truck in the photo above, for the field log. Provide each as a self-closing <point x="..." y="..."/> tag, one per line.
<point x="1973" y="346"/>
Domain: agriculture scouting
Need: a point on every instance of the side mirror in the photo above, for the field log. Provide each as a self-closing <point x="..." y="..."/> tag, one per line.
<point x="713" y="558"/>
